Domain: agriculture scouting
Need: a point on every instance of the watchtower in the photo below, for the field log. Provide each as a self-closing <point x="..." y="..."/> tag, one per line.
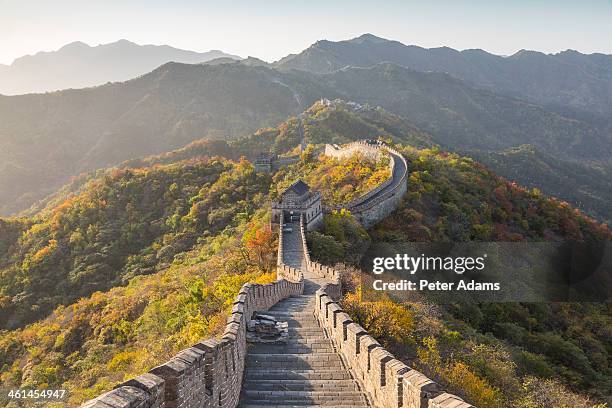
<point x="296" y="200"/>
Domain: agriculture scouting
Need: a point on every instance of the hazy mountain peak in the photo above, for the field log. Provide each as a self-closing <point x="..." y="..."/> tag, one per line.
<point x="76" y="45"/>
<point x="254" y="62"/>
<point x="568" y="80"/>
<point x="571" y="52"/>
<point x="523" y="53"/>
<point x="368" y="37"/>
<point x="78" y="65"/>
<point x="320" y="43"/>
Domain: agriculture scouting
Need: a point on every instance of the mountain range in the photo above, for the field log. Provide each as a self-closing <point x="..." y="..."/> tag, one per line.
<point x="78" y="65"/>
<point x="136" y="213"/>
<point x="135" y="262"/>
<point x="567" y="80"/>
<point x="49" y="138"/>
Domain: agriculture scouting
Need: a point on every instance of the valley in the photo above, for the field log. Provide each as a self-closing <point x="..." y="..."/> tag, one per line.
<point x="153" y="198"/>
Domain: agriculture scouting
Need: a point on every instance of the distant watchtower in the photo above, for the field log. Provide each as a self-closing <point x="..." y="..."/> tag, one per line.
<point x="263" y="162"/>
<point x="296" y="200"/>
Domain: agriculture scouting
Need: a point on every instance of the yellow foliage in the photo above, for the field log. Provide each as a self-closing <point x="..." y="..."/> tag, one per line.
<point x="429" y="355"/>
<point x="458" y="377"/>
<point x="122" y="360"/>
<point x="266" y="278"/>
<point x="44" y="252"/>
<point x="390" y="323"/>
<point x="477" y="390"/>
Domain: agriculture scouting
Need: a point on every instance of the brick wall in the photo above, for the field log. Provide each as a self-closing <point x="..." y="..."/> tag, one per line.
<point x="208" y="374"/>
<point x="388" y="382"/>
<point x="370" y="211"/>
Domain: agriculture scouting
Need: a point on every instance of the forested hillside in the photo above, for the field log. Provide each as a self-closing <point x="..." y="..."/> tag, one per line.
<point x="50" y="138"/>
<point x="147" y="256"/>
<point x="156" y="256"/>
<point x="135" y="264"/>
<point x="337" y="123"/>
<point x="122" y="224"/>
<point x="492" y="354"/>
<point x="462" y="117"/>
<point x="588" y="187"/>
<point x="582" y="184"/>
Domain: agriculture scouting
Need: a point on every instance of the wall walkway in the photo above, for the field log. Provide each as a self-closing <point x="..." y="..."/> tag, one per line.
<point x="379" y="202"/>
<point x="328" y="359"/>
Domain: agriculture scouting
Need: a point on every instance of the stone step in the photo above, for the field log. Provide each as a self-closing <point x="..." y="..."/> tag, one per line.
<point x="306" y="330"/>
<point x="296" y="308"/>
<point x="284" y="313"/>
<point x="293" y="325"/>
<point x="302" y="332"/>
<point x="291" y="404"/>
<point x="321" y="340"/>
<point x="295" y="340"/>
<point x="290" y="357"/>
<point x="297" y="365"/>
<point x="299" y="333"/>
<point x="301" y="309"/>
<point x="321" y="347"/>
<point x="305" y="336"/>
<point x="291" y="314"/>
<point x="311" y="397"/>
<point x="304" y="321"/>
<point x="300" y="385"/>
<point x="310" y="341"/>
<point x="318" y="361"/>
<point x="292" y="349"/>
<point x="289" y="374"/>
<point x="315" y="329"/>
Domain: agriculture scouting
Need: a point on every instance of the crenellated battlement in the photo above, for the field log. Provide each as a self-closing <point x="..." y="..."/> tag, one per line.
<point x="379" y="202"/>
<point x="208" y="374"/>
<point x="388" y="382"/>
<point x="211" y="372"/>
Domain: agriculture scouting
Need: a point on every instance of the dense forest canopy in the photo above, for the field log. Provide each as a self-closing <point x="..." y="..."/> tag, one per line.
<point x="492" y="354"/>
<point x="123" y="224"/>
<point x="125" y="266"/>
<point x="137" y="263"/>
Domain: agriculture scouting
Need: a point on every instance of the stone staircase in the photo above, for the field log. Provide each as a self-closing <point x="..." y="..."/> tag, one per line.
<point x="306" y="371"/>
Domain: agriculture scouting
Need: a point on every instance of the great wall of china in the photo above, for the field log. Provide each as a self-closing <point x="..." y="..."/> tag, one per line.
<point x="379" y="202"/>
<point x="327" y="360"/>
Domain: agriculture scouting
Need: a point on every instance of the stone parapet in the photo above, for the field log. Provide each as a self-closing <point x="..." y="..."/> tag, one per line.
<point x="208" y="374"/>
<point x="388" y="382"/>
<point x="379" y="202"/>
<point x="280" y="248"/>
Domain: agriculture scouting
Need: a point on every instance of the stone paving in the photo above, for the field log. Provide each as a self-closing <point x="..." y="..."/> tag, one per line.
<point x="306" y="371"/>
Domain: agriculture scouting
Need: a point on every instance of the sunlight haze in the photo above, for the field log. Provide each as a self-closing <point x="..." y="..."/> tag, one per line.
<point x="272" y="29"/>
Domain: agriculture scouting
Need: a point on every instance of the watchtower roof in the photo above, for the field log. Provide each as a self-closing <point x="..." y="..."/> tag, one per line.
<point x="299" y="188"/>
<point x="265" y="156"/>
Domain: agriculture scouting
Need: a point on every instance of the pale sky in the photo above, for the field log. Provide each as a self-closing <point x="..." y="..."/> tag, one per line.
<point x="270" y="29"/>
